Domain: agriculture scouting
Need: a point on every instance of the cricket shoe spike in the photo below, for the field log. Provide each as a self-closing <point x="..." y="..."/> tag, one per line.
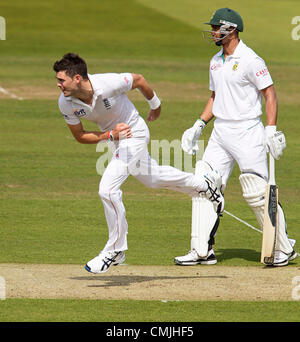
<point x="192" y="258"/>
<point x="213" y="193"/>
<point x="102" y="262"/>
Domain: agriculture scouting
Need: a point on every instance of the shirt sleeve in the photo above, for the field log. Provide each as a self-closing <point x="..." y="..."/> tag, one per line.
<point x="126" y="81"/>
<point x="258" y="74"/>
<point x="67" y="114"/>
<point x="211" y="81"/>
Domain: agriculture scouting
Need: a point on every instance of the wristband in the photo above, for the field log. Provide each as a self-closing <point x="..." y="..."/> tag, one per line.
<point x="110" y="136"/>
<point x="154" y="103"/>
<point x="203" y="121"/>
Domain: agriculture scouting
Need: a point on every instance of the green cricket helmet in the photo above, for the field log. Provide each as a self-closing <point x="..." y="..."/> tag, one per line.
<point x="227" y="16"/>
<point x="228" y="20"/>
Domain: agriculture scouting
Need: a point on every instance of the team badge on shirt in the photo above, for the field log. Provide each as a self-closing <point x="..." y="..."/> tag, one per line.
<point x="235" y="66"/>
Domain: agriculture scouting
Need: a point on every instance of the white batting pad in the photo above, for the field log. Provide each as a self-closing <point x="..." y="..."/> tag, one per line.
<point x="204" y="217"/>
<point x="254" y="188"/>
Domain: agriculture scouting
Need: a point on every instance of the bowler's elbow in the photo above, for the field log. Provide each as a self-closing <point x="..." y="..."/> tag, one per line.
<point x="138" y="81"/>
<point x="77" y="132"/>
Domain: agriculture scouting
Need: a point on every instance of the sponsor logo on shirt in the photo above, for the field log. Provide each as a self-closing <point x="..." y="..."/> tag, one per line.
<point x="215" y="66"/>
<point x="107" y="104"/>
<point x="79" y="113"/>
<point x="263" y="72"/>
<point x="126" y="79"/>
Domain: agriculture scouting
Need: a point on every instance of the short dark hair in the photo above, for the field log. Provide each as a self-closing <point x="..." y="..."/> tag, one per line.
<point x="72" y="64"/>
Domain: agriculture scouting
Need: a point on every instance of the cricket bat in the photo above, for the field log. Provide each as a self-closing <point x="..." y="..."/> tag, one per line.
<point x="270" y="225"/>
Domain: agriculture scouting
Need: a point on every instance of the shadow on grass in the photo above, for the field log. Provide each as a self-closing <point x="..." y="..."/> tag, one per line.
<point x="245" y="254"/>
<point x="238" y="253"/>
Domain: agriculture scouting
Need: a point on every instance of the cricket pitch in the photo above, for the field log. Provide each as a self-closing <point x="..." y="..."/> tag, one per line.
<point x="163" y="283"/>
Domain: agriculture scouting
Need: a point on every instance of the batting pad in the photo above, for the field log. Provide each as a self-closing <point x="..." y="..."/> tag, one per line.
<point x="253" y="188"/>
<point x="204" y="218"/>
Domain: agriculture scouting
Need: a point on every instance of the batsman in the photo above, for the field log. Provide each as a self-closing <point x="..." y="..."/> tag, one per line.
<point x="238" y="80"/>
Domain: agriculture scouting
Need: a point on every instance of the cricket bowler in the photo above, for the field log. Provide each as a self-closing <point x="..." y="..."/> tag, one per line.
<point x="102" y="99"/>
<point x="238" y="78"/>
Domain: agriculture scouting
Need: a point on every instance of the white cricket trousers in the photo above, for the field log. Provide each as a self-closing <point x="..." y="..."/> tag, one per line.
<point x="237" y="141"/>
<point x="131" y="157"/>
<point x="242" y="142"/>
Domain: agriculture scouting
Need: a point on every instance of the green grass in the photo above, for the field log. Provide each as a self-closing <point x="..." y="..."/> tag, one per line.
<point x="34" y="310"/>
<point x="50" y="209"/>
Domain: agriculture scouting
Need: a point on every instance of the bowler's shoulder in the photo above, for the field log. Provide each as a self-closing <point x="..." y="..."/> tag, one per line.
<point x="103" y="77"/>
<point x="104" y="81"/>
<point x="110" y="84"/>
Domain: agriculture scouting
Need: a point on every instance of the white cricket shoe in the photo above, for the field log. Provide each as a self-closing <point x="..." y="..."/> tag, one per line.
<point x="102" y="262"/>
<point x="293" y="255"/>
<point x="192" y="258"/>
<point x="282" y="259"/>
<point x="213" y="193"/>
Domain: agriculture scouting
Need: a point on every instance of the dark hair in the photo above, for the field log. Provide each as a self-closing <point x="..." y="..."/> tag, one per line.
<point x="72" y="64"/>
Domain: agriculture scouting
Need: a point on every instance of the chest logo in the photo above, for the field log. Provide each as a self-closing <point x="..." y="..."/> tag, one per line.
<point x="79" y="112"/>
<point x="235" y="66"/>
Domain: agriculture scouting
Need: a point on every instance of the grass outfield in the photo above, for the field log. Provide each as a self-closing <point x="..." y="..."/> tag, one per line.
<point x="27" y="310"/>
<point x="50" y="209"/>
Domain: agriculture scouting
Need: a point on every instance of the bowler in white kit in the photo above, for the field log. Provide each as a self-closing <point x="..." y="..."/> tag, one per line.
<point x="238" y="78"/>
<point x="102" y="99"/>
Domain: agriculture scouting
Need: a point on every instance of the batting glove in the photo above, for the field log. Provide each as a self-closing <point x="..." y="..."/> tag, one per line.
<point x="190" y="137"/>
<point x="275" y="141"/>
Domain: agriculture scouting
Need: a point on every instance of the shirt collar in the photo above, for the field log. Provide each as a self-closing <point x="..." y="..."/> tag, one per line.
<point x="95" y="85"/>
<point x="237" y="52"/>
<point x="220" y="53"/>
<point x="96" y="89"/>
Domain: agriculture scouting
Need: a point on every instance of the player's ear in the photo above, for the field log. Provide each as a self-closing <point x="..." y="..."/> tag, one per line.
<point x="77" y="78"/>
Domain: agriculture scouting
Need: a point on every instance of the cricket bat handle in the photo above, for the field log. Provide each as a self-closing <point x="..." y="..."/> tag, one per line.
<point x="271" y="170"/>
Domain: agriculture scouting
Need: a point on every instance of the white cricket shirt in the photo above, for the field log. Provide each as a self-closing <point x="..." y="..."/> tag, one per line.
<point x="237" y="82"/>
<point x="110" y="104"/>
